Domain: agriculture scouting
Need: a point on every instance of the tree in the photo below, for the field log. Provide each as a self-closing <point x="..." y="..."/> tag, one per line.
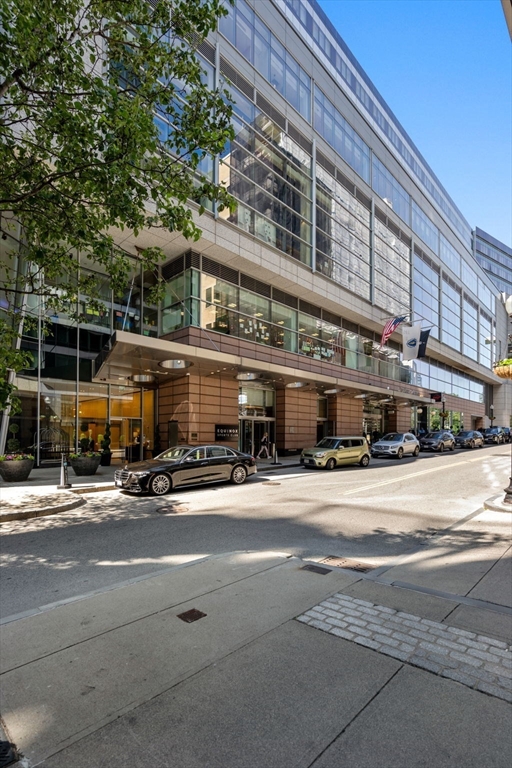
<point x="81" y="155"/>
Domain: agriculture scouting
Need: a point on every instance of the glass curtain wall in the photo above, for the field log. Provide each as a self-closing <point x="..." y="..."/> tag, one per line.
<point x="270" y="176"/>
<point x="392" y="259"/>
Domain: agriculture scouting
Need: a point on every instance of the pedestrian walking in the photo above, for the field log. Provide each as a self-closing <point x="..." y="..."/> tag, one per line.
<point x="263" y="447"/>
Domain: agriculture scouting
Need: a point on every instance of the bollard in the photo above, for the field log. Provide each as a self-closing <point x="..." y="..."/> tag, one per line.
<point x="64" y="473"/>
<point x="275" y="460"/>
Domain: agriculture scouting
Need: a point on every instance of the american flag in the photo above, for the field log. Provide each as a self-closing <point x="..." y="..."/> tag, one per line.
<point x="391" y="326"/>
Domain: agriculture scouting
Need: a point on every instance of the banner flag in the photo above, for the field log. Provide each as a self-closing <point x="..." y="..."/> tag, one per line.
<point x="422" y="349"/>
<point x="411" y="341"/>
<point x="391" y="325"/>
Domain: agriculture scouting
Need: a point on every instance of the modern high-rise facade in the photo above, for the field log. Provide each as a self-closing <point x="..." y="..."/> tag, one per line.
<point x="272" y="321"/>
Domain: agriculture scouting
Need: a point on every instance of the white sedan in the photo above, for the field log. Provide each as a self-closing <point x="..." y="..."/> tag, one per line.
<point x="396" y="445"/>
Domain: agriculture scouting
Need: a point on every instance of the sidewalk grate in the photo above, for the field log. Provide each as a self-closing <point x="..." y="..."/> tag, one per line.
<point x="190" y="616"/>
<point x="316" y="569"/>
<point x="271" y="483"/>
<point x="350" y="565"/>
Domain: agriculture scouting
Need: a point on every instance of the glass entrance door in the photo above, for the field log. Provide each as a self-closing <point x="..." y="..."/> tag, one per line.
<point x="251" y="433"/>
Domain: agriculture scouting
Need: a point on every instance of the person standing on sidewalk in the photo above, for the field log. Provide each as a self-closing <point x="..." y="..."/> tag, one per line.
<point x="263" y="447"/>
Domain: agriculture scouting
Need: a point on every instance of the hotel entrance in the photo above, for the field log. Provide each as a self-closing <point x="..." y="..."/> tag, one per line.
<point x="251" y="433"/>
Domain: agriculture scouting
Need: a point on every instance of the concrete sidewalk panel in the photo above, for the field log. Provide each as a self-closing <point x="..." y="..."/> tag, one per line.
<point x="489" y="623"/>
<point x="32" y="638"/>
<point x="277" y="703"/>
<point x="496" y="585"/>
<point x="56" y="699"/>
<point x="409" y="601"/>
<point x="422" y="720"/>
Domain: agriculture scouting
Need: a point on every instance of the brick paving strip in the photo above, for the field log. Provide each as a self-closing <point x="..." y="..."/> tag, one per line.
<point x="479" y="662"/>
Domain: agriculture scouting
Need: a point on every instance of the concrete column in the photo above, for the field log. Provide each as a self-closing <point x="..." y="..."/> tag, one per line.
<point x="346" y="414"/>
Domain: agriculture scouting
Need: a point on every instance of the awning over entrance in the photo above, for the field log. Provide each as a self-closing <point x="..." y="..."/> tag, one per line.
<point x="137" y="361"/>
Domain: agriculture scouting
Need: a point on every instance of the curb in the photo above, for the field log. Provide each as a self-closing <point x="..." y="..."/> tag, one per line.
<point x="42" y="511"/>
<point x="496" y="504"/>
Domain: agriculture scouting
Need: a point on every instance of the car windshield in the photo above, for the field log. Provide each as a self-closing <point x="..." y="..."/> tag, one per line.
<point x="328" y="442"/>
<point x="393" y="437"/>
<point x="491" y="430"/>
<point x="436" y="434"/>
<point x="174" y="453"/>
<point x="464" y="434"/>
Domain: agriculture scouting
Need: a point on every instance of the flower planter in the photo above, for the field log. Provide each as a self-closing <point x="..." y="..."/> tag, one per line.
<point x="16" y="471"/>
<point x="106" y="458"/>
<point x="503" y="371"/>
<point x="85" y="466"/>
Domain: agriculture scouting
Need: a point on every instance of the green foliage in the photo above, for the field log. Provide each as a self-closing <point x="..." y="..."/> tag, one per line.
<point x="81" y="157"/>
<point x="84" y="444"/>
<point x="105" y="443"/>
<point x="507" y="361"/>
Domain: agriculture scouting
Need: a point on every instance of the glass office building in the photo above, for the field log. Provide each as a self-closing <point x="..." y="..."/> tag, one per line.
<point x="272" y="322"/>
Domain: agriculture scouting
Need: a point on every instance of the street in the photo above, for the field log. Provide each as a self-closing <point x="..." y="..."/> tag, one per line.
<point x="380" y="514"/>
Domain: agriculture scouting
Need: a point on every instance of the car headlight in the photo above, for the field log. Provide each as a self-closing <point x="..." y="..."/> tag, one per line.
<point x="320" y="455"/>
<point x="138" y="474"/>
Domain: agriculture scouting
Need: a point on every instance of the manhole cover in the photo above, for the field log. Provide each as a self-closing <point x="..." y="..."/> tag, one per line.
<point x="271" y="483"/>
<point x="192" y="615"/>
<point x="351" y="565"/>
<point x="316" y="569"/>
<point x="173" y="509"/>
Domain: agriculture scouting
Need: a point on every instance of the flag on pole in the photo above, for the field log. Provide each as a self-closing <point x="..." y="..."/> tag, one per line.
<point x="422" y="349"/>
<point x="391" y="326"/>
<point x="411" y="336"/>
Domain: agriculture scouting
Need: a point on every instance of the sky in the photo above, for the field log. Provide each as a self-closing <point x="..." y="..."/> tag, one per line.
<point x="444" y="67"/>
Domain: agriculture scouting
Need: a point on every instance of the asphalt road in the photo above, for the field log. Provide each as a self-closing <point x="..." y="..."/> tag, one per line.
<point x="374" y="514"/>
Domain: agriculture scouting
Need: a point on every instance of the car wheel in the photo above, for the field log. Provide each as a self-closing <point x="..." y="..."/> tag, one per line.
<point x="239" y="475"/>
<point x="400" y="453"/>
<point x="365" y="460"/>
<point x="452" y="447"/>
<point x="160" y="484"/>
<point x="472" y="444"/>
<point x="441" y="448"/>
<point x="331" y="464"/>
<point x="416" y="452"/>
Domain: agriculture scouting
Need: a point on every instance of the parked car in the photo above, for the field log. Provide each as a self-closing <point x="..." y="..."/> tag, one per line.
<point x="494" y="435"/>
<point x="185" y="465"/>
<point x="507" y="432"/>
<point x="396" y="445"/>
<point x="331" y="452"/>
<point x="469" y="439"/>
<point x="438" y="441"/>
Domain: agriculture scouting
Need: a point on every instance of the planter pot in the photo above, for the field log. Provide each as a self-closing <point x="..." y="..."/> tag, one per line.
<point x="106" y="458"/>
<point x="16" y="471"/>
<point x="503" y="371"/>
<point x="86" y="466"/>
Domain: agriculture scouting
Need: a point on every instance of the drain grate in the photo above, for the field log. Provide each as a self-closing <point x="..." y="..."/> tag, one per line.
<point x="7" y="755"/>
<point x="173" y="509"/>
<point x="350" y="565"/>
<point x="316" y="569"/>
<point x="271" y="483"/>
<point x="192" y="615"/>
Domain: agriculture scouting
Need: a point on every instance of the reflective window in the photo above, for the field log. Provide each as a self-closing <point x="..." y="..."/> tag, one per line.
<point x="469" y="278"/>
<point x="387" y="187"/>
<point x="449" y="255"/>
<point x="486" y="341"/>
<point x="450" y="327"/>
<point x="426" y="295"/>
<point x="469" y="330"/>
<point x="253" y="39"/>
<point x="330" y="124"/>
<point x="424" y="228"/>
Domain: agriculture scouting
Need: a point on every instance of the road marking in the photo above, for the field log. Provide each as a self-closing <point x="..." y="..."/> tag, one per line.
<point x="413" y="474"/>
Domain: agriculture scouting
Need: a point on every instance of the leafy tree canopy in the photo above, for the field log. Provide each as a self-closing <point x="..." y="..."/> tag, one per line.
<point x="81" y="157"/>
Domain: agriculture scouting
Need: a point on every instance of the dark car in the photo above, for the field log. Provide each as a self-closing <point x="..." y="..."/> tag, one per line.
<point x="185" y="465"/>
<point x="469" y="439"/>
<point x="507" y="434"/>
<point x="438" y="441"/>
<point x="494" y="435"/>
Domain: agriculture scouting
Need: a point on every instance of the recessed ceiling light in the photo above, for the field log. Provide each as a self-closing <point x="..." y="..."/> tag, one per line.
<point x="175" y="364"/>
<point x="247" y="376"/>
<point x="142" y="378"/>
<point x="295" y="384"/>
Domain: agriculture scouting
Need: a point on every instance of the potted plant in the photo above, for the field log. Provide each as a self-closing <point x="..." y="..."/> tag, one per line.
<point x="85" y="463"/>
<point x="503" y="368"/>
<point x="106" y="453"/>
<point x="15" y="466"/>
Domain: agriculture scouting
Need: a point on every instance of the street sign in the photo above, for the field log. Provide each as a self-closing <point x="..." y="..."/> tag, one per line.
<point x="436" y="396"/>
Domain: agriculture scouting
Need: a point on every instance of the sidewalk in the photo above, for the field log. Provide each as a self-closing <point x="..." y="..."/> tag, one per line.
<point x="291" y="664"/>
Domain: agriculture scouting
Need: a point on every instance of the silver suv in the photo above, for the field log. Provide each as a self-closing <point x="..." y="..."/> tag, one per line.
<point x="396" y="445"/>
